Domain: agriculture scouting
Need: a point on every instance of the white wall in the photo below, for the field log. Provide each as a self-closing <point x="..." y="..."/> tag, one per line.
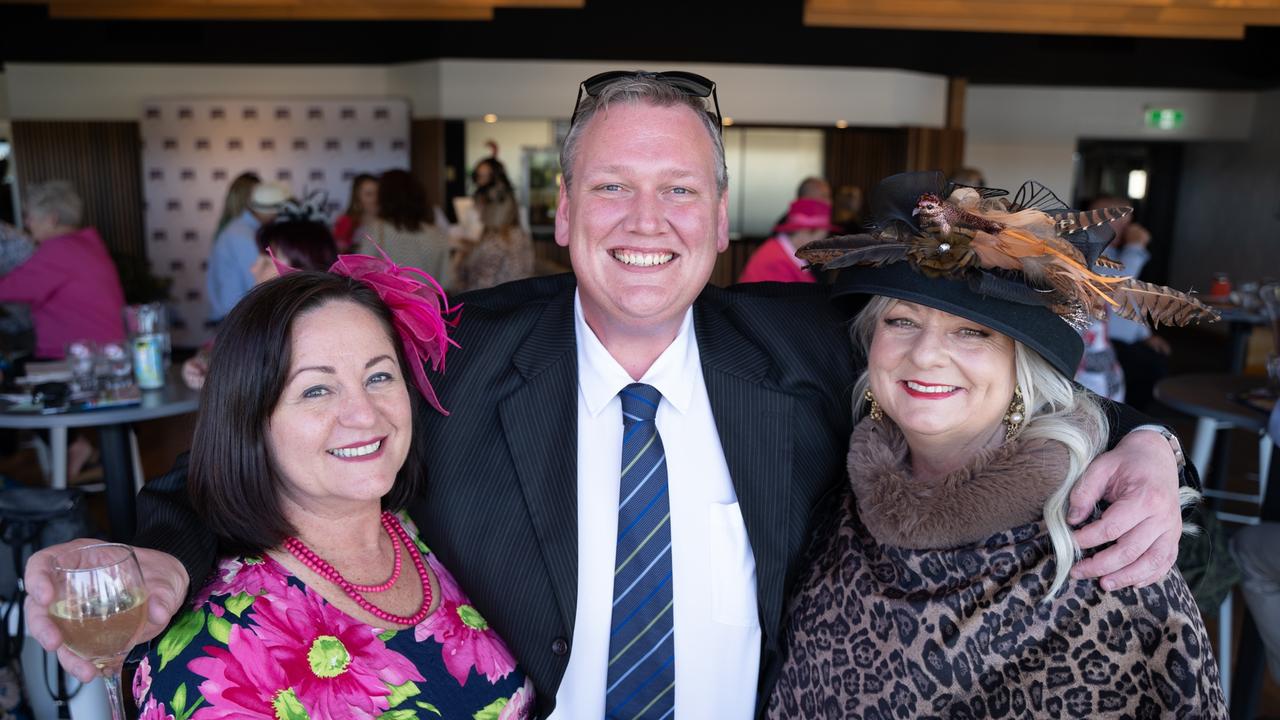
<point x="747" y="93"/>
<point x="1013" y="133"/>
<point x="116" y="92"/>
<point x="512" y="89"/>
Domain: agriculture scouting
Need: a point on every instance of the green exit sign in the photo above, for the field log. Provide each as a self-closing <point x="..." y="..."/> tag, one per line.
<point x="1163" y="118"/>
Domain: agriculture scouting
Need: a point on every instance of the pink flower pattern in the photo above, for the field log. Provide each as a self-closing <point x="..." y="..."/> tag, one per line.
<point x="154" y="711"/>
<point x="520" y="705"/>
<point x="241" y="680"/>
<point x="466" y="641"/>
<point x="337" y="663"/>
<point x="251" y="575"/>
<point x="287" y="653"/>
<point x="142" y="678"/>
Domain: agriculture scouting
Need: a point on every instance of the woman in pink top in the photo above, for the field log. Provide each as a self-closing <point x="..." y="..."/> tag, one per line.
<point x="775" y="260"/>
<point x="70" y="282"/>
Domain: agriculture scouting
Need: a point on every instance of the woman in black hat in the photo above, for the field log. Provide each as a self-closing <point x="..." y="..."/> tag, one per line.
<point x="940" y="584"/>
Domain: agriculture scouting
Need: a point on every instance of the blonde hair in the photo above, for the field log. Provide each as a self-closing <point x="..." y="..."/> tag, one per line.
<point x="1056" y="409"/>
<point x="237" y="199"/>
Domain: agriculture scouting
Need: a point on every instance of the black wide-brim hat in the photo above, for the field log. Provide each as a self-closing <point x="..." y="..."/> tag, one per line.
<point x="1035" y="326"/>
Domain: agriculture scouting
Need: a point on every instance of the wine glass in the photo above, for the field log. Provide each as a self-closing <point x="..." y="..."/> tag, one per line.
<point x="100" y="605"/>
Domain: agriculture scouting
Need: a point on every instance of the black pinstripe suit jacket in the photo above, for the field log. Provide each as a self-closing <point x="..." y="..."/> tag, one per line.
<point x="500" y="506"/>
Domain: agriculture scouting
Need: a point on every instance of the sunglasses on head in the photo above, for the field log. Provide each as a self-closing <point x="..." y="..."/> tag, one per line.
<point x="690" y="84"/>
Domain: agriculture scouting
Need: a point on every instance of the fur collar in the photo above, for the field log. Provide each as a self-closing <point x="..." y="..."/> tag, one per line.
<point x="1002" y="488"/>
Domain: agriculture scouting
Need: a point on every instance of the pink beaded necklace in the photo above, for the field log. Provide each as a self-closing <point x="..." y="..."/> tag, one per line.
<point x="396" y="532"/>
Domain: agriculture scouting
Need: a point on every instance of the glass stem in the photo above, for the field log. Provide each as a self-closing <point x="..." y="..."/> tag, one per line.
<point x="112" y="680"/>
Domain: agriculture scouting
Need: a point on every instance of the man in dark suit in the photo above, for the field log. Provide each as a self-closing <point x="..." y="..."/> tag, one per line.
<point x="523" y="500"/>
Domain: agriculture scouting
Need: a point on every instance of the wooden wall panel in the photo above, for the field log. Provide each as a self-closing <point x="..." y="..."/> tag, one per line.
<point x="934" y="149"/>
<point x="102" y="159"/>
<point x="863" y="156"/>
<point x="426" y="158"/>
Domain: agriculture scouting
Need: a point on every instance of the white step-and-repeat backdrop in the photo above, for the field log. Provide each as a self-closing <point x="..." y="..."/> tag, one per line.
<point x="193" y="149"/>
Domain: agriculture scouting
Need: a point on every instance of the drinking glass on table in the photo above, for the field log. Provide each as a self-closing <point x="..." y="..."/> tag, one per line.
<point x="100" y="605"/>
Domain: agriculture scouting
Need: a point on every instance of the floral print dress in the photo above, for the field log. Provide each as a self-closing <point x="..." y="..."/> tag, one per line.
<point x="258" y="643"/>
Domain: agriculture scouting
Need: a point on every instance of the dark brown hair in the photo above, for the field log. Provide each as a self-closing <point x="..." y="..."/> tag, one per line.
<point x="230" y="478"/>
<point x="302" y="244"/>
<point x="354" y="208"/>
<point x="402" y="201"/>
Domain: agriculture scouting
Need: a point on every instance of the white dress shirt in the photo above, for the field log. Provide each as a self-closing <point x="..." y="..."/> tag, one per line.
<point x="717" y="629"/>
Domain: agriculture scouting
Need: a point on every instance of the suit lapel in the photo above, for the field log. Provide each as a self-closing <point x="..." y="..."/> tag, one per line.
<point x="754" y="424"/>
<point x="546" y="455"/>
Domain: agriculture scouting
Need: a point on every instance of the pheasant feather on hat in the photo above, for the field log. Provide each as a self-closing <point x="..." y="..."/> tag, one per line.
<point x="1031" y="249"/>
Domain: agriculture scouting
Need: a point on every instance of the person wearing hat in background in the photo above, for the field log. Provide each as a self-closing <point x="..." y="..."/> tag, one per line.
<point x="940" y="582"/>
<point x="236" y="249"/>
<point x="775" y="260"/>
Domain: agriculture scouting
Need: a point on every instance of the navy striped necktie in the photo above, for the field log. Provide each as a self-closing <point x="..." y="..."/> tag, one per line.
<point x="642" y="660"/>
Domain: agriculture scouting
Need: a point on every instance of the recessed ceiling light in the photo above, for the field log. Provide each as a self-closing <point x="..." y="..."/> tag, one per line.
<point x="491" y="118"/>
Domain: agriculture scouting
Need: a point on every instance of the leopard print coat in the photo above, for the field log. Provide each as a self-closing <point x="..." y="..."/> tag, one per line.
<point x="962" y="629"/>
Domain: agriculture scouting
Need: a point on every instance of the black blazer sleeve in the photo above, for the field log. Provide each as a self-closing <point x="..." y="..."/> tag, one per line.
<point x="167" y="522"/>
<point x="1122" y="419"/>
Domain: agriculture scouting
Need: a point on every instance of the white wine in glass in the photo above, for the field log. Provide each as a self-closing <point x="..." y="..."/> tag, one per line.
<point x="100" y="605"/>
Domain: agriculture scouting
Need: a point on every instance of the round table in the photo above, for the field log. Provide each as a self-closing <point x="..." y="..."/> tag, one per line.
<point x="175" y="398"/>
<point x="1212" y="395"/>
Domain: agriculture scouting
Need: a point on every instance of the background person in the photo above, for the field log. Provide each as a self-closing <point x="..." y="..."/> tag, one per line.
<point x="775" y="260"/>
<point x="403" y="227"/>
<point x="298" y="238"/>
<point x="504" y="251"/>
<point x="237" y="199"/>
<point x="235" y="249"/>
<point x="69" y="282"/>
<point x="362" y="210"/>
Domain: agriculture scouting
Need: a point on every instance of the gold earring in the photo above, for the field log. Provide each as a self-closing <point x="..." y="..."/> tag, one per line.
<point x="1017" y="414"/>
<point x="873" y="409"/>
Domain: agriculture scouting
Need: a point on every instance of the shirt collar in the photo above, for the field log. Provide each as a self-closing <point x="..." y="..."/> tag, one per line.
<point x="601" y="378"/>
